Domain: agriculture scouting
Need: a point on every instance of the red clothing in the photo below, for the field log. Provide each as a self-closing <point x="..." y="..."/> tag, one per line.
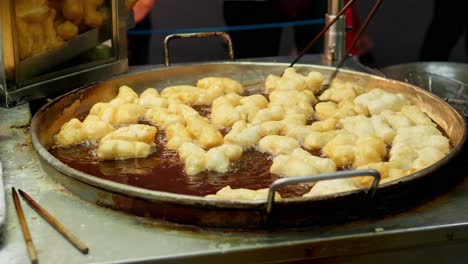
<point x="351" y="22"/>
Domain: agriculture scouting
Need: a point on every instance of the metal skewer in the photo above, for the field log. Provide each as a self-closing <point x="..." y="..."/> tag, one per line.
<point x="55" y="223"/>
<point x="24" y="227"/>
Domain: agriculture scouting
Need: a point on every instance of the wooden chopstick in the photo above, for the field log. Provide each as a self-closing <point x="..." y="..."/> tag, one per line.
<point x="55" y="223"/>
<point x="24" y="227"/>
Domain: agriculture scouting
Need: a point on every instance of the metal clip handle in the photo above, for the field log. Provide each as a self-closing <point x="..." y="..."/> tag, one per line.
<point x="319" y="177"/>
<point x="223" y="35"/>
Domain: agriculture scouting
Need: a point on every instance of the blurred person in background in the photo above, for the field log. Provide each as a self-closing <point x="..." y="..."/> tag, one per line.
<point x="138" y="45"/>
<point x="266" y="42"/>
<point x="447" y="26"/>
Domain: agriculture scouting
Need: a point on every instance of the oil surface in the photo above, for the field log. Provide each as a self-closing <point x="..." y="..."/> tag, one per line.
<point x="164" y="171"/>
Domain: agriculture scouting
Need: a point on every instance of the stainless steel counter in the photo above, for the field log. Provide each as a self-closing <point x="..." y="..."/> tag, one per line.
<point x="434" y="232"/>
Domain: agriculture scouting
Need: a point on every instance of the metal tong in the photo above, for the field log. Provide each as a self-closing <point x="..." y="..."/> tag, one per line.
<point x="361" y="29"/>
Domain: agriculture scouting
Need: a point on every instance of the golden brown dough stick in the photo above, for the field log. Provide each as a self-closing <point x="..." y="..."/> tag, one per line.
<point x="67" y="30"/>
<point x="50" y="33"/>
<point x="92" y="17"/>
<point x="73" y="10"/>
<point x="25" y="42"/>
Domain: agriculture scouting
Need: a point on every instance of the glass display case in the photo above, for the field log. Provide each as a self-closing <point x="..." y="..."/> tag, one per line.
<point x="49" y="47"/>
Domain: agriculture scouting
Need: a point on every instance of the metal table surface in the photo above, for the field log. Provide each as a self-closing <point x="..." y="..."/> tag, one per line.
<point x="436" y="231"/>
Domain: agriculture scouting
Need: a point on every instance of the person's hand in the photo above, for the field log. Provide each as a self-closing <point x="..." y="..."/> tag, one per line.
<point x="364" y="44"/>
<point x="142" y="9"/>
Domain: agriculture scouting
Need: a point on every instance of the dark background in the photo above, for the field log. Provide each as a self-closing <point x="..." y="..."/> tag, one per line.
<point x="397" y="31"/>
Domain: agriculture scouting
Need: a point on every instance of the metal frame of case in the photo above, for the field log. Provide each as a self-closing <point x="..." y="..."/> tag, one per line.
<point x="20" y="81"/>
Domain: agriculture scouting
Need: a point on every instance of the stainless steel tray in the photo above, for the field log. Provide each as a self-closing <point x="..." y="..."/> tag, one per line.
<point x="43" y="62"/>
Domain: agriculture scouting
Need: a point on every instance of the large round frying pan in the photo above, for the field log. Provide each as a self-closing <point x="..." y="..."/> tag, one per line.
<point x="195" y="210"/>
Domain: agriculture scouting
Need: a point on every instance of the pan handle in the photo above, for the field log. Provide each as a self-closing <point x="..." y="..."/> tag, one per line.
<point x="319" y="177"/>
<point x="223" y="35"/>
